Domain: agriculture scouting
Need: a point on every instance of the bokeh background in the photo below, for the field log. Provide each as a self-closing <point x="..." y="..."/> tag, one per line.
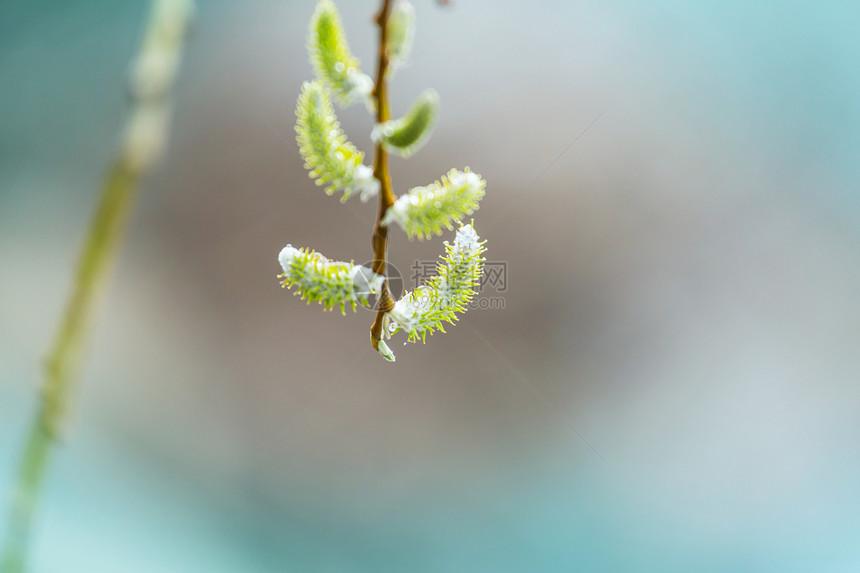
<point x="672" y="384"/>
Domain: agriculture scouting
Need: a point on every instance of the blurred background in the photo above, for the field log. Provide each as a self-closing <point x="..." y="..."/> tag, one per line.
<point x="671" y="384"/>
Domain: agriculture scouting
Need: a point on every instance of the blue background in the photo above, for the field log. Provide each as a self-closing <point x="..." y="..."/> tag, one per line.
<point x="674" y="186"/>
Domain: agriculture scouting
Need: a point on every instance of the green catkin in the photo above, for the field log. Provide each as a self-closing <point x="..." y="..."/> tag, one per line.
<point x="331" y="159"/>
<point x="425" y="211"/>
<point x="331" y="283"/>
<point x="430" y="306"/>
<point x="332" y="59"/>
<point x="401" y="34"/>
<point x="408" y="134"/>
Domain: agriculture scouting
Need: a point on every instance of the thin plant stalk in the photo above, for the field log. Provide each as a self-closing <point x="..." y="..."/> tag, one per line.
<point x="381" y="172"/>
<point x="144" y="141"/>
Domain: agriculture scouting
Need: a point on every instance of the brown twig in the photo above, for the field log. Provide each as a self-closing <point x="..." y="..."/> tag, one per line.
<point x="380" y="171"/>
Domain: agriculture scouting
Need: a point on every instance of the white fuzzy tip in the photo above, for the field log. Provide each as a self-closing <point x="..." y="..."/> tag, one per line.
<point x="465" y="179"/>
<point x="366" y="182"/>
<point x="362" y="84"/>
<point x="385" y="351"/>
<point x="467" y="240"/>
<point x="365" y="281"/>
<point x="286" y="256"/>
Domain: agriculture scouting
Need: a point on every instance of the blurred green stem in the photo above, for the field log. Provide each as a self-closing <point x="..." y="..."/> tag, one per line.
<point x="145" y="138"/>
<point x="104" y="237"/>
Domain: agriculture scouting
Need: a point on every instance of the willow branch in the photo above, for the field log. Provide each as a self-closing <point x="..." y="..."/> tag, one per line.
<point x="381" y="172"/>
<point x="144" y="142"/>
